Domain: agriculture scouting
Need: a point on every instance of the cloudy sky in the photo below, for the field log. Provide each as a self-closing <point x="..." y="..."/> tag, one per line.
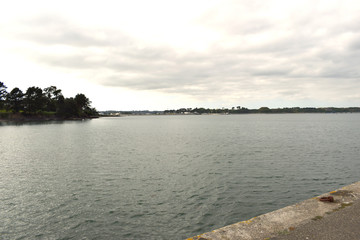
<point x="164" y="54"/>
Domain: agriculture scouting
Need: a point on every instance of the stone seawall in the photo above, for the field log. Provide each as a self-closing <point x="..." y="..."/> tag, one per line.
<point x="287" y="219"/>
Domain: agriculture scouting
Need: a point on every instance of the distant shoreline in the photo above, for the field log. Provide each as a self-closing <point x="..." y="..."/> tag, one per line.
<point x="19" y="117"/>
<point x="217" y="114"/>
<point x="233" y="111"/>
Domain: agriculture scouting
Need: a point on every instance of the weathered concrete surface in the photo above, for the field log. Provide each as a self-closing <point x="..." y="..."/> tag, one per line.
<point x="344" y="224"/>
<point x="285" y="220"/>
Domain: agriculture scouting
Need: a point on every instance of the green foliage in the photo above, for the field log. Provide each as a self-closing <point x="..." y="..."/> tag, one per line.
<point x="2" y="90"/>
<point x="14" y="100"/>
<point x="264" y="110"/>
<point x="47" y="102"/>
<point x="68" y="108"/>
<point x="34" y="100"/>
<point x="3" y="94"/>
<point x="52" y="95"/>
<point x="91" y="112"/>
<point x="82" y="101"/>
<point x="4" y="114"/>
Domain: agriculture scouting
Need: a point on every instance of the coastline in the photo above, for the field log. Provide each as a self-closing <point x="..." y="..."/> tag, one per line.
<point x="40" y="118"/>
<point x="223" y="114"/>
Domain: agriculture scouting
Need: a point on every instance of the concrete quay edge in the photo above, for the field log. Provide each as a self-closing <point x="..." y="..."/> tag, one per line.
<point x="286" y="219"/>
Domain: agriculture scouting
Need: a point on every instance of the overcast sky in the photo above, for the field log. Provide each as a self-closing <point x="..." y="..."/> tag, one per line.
<point x="163" y="54"/>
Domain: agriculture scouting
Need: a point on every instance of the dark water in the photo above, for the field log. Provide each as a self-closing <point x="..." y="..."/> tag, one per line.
<point x="167" y="177"/>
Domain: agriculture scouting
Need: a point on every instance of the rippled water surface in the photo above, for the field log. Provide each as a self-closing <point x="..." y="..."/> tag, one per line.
<point x="167" y="177"/>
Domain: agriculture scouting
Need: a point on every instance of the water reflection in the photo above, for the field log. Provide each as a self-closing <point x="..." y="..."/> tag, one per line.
<point x="22" y="123"/>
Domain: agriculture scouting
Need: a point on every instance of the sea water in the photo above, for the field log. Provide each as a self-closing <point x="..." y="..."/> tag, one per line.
<point x="166" y="177"/>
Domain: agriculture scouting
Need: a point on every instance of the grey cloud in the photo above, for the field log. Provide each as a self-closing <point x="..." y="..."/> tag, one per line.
<point x="271" y="67"/>
<point x="235" y="18"/>
<point x="271" y="72"/>
<point x="51" y="30"/>
<point x="355" y="44"/>
<point x="241" y="27"/>
<point x="289" y="92"/>
<point x="75" y="61"/>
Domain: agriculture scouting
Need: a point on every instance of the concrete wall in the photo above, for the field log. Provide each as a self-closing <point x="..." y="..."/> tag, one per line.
<point x="286" y="219"/>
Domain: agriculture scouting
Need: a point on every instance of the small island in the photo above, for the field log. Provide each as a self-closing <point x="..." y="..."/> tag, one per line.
<point x="38" y="104"/>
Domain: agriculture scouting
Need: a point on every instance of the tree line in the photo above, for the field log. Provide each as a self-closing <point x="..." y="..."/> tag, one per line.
<point x="196" y="110"/>
<point x="49" y="100"/>
<point x="243" y="110"/>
